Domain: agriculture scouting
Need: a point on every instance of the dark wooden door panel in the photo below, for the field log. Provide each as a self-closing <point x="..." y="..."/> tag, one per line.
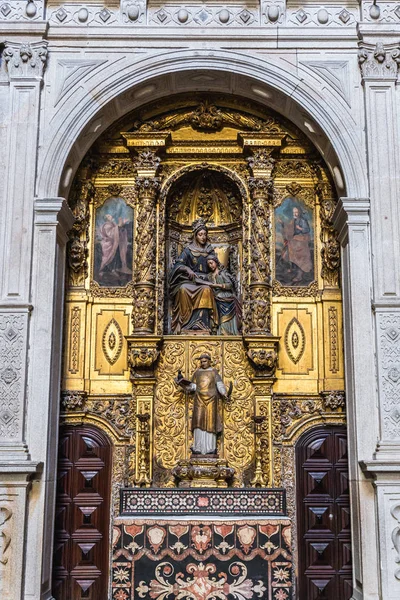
<point x="323" y="515"/>
<point x="81" y="546"/>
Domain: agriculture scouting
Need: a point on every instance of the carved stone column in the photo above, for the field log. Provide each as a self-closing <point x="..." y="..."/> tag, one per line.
<point x="52" y="220"/>
<point x="145" y="263"/>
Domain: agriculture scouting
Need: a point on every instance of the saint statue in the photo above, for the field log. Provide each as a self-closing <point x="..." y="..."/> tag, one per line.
<point x="202" y="293"/>
<point x="207" y="387"/>
<point x="228" y="316"/>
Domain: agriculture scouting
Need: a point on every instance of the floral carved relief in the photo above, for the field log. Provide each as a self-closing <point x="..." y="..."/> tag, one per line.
<point x="12" y="361"/>
<point x="389" y="374"/>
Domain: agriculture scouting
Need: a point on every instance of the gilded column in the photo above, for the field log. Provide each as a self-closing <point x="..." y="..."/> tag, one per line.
<point x="262" y="346"/>
<point x="145" y="261"/>
<point x="144" y="344"/>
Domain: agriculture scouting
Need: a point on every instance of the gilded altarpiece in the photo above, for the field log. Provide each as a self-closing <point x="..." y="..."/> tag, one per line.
<point x="267" y="201"/>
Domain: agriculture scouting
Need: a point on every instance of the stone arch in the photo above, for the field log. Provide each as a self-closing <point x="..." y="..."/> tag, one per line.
<point x="321" y="114"/>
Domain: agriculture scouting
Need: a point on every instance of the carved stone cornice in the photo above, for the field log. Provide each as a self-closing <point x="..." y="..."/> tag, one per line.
<point x="25" y="60"/>
<point x="381" y="62"/>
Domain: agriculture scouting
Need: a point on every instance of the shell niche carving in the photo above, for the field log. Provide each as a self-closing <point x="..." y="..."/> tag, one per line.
<point x="112" y="341"/>
<point x="295" y="340"/>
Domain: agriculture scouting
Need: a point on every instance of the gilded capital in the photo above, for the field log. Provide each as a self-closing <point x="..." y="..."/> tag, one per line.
<point x="25" y="60"/>
<point x="148" y="187"/>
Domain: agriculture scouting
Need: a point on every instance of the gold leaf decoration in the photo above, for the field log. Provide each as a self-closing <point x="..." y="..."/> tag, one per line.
<point x="238" y="433"/>
<point x="295" y="340"/>
<point x="112" y="341"/>
<point x="170" y="410"/>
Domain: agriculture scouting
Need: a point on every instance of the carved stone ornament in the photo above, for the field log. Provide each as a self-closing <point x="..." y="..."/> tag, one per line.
<point x="259" y="313"/>
<point x="147" y="159"/>
<point x="73" y="400"/>
<point x="261" y="163"/>
<point x="207" y="117"/>
<point x="263" y="355"/>
<point x="330" y="251"/>
<point x="203" y="471"/>
<point x="142" y="355"/>
<point x="379" y="63"/>
<point x="333" y="400"/>
<point x="147" y="186"/>
<point x="143" y="314"/>
<point x="264" y="361"/>
<point x="5" y="537"/>
<point x="25" y="60"/>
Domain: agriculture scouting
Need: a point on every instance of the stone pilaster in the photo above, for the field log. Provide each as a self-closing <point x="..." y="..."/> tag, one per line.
<point x="379" y="64"/>
<point x="25" y="63"/>
<point x="52" y="220"/>
<point x="352" y="221"/>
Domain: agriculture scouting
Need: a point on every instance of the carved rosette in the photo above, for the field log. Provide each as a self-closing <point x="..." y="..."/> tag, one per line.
<point x="381" y="62"/>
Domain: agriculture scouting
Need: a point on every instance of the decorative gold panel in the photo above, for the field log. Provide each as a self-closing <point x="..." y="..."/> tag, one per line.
<point x="110" y="350"/>
<point x="296" y="328"/>
<point x="172" y="435"/>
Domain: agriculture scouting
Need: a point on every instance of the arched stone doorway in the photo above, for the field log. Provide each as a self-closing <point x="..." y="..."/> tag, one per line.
<point x="134" y="197"/>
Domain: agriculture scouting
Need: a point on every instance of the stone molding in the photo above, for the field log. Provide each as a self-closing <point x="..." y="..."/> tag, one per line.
<point x="25" y="60"/>
<point x="350" y="212"/>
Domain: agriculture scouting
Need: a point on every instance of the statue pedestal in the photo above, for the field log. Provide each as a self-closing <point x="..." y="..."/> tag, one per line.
<point x="203" y="472"/>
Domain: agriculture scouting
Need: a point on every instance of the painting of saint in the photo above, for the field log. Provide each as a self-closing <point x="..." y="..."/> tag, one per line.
<point x="294" y="243"/>
<point x="113" y="243"/>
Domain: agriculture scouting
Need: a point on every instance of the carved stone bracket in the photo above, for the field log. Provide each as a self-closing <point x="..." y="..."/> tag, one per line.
<point x="263" y="355"/>
<point x="381" y="62"/>
<point x="143" y="353"/>
<point x="333" y="400"/>
<point x="25" y="60"/>
<point x="72" y="400"/>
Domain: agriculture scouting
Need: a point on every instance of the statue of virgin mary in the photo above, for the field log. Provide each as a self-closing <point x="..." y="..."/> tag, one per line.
<point x="193" y="301"/>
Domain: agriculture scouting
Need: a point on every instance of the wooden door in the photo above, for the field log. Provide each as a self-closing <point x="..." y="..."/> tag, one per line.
<point x="81" y="544"/>
<point x="323" y="515"/>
